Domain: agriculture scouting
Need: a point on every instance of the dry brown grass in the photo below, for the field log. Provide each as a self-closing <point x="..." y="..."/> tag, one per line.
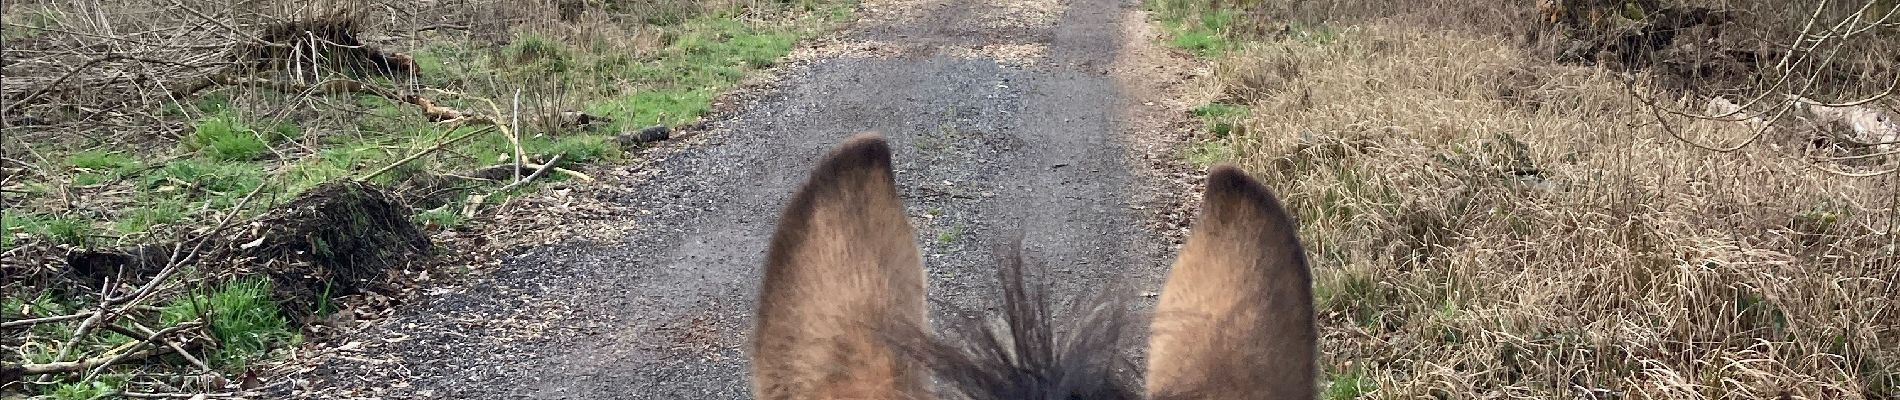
<point x="1487" y="224"/>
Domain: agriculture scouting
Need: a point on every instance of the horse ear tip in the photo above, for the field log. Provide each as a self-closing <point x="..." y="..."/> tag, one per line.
<point x="1225" y="172"/>
<point x="1230" y="179"/>
<point x="868" y="149"/>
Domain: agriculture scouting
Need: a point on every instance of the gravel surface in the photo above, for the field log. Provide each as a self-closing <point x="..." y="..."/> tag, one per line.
<point x="1045" y="117"/>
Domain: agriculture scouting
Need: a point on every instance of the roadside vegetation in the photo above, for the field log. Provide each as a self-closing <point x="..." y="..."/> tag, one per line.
<point x="1494" y="207"/>
<point x="143" y="134"/>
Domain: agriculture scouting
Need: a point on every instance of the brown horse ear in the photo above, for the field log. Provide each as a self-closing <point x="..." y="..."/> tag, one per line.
<point x="1236" y="317"/>
<point x="842" y="272"/>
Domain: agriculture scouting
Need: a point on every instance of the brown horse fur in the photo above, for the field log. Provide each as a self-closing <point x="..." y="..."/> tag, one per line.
<point x="842" y="268"/>
<point x="1236" y="317"/>
<point x="841" y="308"/>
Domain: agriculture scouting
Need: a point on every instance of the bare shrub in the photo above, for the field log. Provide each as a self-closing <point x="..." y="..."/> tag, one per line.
<point x="1814" y="70"/>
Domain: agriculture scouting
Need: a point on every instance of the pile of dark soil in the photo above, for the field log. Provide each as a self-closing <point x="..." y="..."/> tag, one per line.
<point x="337" y="239"/>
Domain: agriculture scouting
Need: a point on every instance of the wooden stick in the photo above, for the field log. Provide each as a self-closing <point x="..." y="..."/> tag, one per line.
<point x="514" y="136"/>
<point x="143" y="395"/>
<point x="202" y="366"/>
<point x="537" y="173"/>
<point x="150" y="342"/>
<point x="36" y="321"/>
<point x="532" y="165"/>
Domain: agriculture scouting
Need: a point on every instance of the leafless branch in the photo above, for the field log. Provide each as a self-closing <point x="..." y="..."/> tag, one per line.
<point x="1811" y="52"/>
<point x="537" y="173"/>
<point x="56" y="82"/>
<point x="42" y="320"/>
<point x="144" y="350"/>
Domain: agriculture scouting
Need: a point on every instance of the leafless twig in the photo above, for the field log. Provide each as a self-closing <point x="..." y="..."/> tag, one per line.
<point x="1815" y="47"/>
<point x="22" y="323"/>
<point x="537" y="173"/>
<point x="145" y="350"/>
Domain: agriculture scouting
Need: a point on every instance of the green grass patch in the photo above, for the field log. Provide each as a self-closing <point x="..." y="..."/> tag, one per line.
<point x="1208" y="152"/>
<point x="1221" y="111"/>
<point x="83" y="390"/>
<point x="951" y="235"/>
<point x="1351" y="384"/>
<point x="1222" y="119"/>
<point x="226" y="136"/>
<point x="27" y="24"/>
<point x="444" y="217"/>
<point x="529" y="48"/>
<point x="671" y="107"/>
<point x="36" y="306"/>
<point x="146" y="217"/>
<point x="578" y="148"/>
<point x="40" y="342"/>
<point x="708" y="56"/>
<point x="1203" y="27"/>
<point x="732" y="43"/>
<point x="62" y="229"/>
<point x="95" y="167"/>
<point x="309" y="173"/>
<point x="222" y="183"/>
<point x="103" y="160"/>
<point x="240" y="316"/>
<point x="436" y="64"/>
<point x="1204" y="42"/>
<point x="573" y="148"/>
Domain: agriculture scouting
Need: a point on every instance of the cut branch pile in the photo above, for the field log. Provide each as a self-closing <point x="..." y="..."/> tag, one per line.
<point x="89" y="80"/>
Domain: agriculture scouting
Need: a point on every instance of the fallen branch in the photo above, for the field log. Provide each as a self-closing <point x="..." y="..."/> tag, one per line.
<point x="537" y="173"/>
<point x="152" y="342"/>
<point x="564" y="171"/>
<point x="439" y="27"/>
<point x="81" y="365"/>
<point x="42" y="320"/>
<point x="143" y="395"/>
<point x="86" y="325"/>
<point x="514" y="138"/>
<point x="531" y="165"/>
<point x="144" y="333"/>
<point x="56" y="82"/>
<point x="644" y="135"/>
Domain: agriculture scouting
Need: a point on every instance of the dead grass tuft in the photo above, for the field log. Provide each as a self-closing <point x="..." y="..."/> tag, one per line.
<point x="1486" y="224"/>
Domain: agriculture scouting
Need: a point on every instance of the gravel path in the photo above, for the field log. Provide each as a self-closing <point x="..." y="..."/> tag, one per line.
<point x="1030" y="117"/>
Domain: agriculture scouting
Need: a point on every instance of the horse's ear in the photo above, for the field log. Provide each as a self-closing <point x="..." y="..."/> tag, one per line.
<point x="1236" y="317"/>
<point x="842" y="273"/>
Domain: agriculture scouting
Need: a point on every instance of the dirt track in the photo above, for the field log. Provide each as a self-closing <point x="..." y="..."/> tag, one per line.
<point x="1031" y="117"/>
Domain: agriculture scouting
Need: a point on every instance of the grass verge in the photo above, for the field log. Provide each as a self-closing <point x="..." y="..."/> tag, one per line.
<point x="1484" y="222"/>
